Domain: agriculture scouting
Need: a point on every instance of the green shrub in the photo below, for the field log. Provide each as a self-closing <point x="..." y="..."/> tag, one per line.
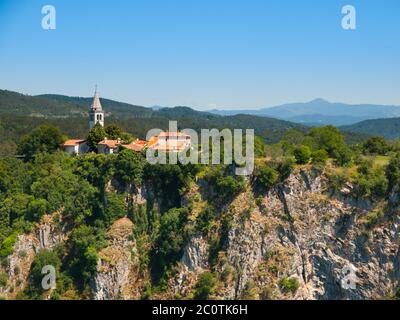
<point x="285" y="168"/>
<point x="373" y="218"/>
<point x="7" y="246"/>
<point x="290" y="284"/>
<point x="343" y="156"/>
<point x="319" y="156"/>
<point x="37" y="208"/>
<point x="266" y="293"/>
<point x="376" y="145"/>
<point x="267" y="177"/>
<point x="205" y="286"/>
<point x="302" y="154"/>
<point x="337" y="181"/>
<point x="393" y="172"/>
<point x="225" y="187"/>
<point x="205" y="220"/>
<point x="3" y="279"/>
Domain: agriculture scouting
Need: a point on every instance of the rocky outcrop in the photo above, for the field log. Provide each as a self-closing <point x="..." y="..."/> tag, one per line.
<point x="300" y="232"/>
<point x="117" y="275"/>
<point x="45" y="235"/>
<point x="195" y="255"/>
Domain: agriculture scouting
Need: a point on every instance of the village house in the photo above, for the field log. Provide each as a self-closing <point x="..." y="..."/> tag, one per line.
<point x="108" y="146"/>
<point x="171" y="142"/>
<point x="165" y="141"/>
<point x="76" y="146"/>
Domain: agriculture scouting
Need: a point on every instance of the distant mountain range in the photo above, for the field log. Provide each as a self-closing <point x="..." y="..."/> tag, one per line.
<point x="321" y="112"/>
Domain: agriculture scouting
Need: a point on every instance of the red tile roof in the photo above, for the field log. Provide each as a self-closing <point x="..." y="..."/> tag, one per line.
<point x="73" y="142"/>
<point x="112" y="144"/>
<point x="134" y="146"/>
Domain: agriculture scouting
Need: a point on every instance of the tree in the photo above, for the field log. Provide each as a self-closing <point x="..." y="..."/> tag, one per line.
<point x="84" y="244"/>
<point x="169" y="245"/>
<point x="113" y="132"/>
<point x="376" y="145"/>
<point x="267" y="176"/>
<point x="292" y="138"/>
<point x="96" y="135"/>
<point x="205" y="286"/>
<point x="259" y="147"/>
<point x="319" y="156"/>
<point x="205" y="220"/>
<point x="343" y="155"/>
<point x="328" y="138"/>
<point x="44" y="138"/>
<point x="302" y="154"/>
<point x="43" y="258"/>
<point x="393" y="172"/>
<point x="129" y="167"/>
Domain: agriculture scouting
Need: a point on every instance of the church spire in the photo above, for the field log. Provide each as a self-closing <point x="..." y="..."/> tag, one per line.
<point x="96" y="104"/>
<point x="96" y="113"/>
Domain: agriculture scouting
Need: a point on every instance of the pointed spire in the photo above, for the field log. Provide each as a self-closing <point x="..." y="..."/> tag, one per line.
<point x="96" y="105"/>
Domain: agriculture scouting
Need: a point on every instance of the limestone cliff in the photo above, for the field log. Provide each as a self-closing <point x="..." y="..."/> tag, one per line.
<point x="297" y="240"/>
<point x="44" y="235"/>
<point x="298" y="230"/>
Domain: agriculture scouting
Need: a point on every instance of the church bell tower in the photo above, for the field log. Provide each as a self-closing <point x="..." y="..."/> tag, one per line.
<point x="96" y="113"/>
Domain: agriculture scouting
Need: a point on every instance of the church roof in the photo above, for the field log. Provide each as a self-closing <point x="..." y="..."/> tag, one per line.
<point x="96" y="104"/>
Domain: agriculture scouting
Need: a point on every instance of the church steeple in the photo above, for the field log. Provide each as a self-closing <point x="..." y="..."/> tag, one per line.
<point x="96" y="113"/>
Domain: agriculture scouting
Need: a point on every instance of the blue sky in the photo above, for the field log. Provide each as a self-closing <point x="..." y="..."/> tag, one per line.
<point x="204" y="53"/>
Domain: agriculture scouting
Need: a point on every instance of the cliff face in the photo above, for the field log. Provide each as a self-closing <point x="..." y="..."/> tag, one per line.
<point x="298" y="231"/>
<point x="44" y="235"/>
<point x="117" y="269"/>
<point x="295" y="241"/>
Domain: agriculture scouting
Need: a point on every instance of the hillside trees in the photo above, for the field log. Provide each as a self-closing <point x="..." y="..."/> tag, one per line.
<point x="376" y="146"/>
<point x="44" y="138"/>
<point x="170" y="242"/>
<point x="129" y="167"/>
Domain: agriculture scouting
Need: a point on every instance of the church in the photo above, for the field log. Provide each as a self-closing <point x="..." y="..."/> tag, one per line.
<point x="96" y="113"/>
<point x="166" y="141"/>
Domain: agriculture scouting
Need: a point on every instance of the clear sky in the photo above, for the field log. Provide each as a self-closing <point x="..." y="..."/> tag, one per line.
<point x="204" y="53"/>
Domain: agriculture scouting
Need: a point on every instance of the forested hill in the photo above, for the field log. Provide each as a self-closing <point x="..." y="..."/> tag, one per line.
<point x="20" y="114"/>
<point x="115" y="108"/>
<point x="388" y="128"/>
